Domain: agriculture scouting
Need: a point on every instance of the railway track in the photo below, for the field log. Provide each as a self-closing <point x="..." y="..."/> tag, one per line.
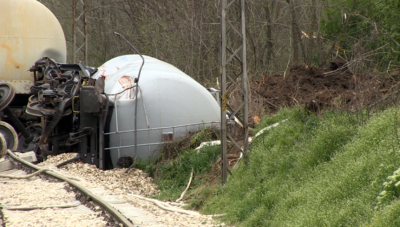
<point x="60" y="201"/>
<point x="127" y="193"/>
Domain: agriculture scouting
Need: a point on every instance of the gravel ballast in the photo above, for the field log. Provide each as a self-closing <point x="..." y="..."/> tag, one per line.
<point x="126" y="186"/>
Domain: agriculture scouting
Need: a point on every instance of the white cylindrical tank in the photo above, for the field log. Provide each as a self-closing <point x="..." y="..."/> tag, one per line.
<point x="170" y="106"/>
<point x="28" y="31"/>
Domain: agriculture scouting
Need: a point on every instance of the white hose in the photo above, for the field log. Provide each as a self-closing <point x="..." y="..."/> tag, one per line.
<point x="166" y="206"/>
<point x="66" y="205"/>
<point x="187" y="187"/>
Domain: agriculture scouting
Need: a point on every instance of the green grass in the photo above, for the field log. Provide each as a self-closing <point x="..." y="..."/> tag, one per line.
<point x="316" y="171"/>
<point x="172" y="174"/>
<point x="338" y="169"/>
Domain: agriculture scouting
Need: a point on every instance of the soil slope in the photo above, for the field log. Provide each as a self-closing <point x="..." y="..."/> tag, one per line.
<point x="320" y="89"/>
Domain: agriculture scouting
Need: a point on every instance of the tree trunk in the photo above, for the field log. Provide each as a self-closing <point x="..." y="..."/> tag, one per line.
<point x="294" y="39"/>
<point x="269" y="43"/>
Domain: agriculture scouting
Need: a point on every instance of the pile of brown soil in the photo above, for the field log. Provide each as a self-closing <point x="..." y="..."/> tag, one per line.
<point x="316" y="89"/>
<point x="322" y="89"/>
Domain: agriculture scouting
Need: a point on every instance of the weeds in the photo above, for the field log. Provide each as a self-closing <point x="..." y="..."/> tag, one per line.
<point x="326" y="170"/>
<point x="314" y="171"/>
<point x="172" y="150"/>
<point x="172" y="171"/>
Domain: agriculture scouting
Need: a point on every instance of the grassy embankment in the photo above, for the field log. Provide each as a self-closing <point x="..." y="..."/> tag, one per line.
<point x="330" y="170"/>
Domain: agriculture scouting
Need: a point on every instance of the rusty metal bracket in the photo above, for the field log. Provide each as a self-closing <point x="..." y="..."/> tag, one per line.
<point x="73" y="104"/>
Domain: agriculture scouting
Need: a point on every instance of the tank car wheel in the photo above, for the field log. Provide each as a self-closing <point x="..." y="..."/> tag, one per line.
<point x="3" y="146"/>
<point x="9" y="134"/>
<point x="7" y="94"/>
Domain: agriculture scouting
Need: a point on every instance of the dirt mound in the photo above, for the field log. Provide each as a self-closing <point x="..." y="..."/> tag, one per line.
<point x="322" y="89"/>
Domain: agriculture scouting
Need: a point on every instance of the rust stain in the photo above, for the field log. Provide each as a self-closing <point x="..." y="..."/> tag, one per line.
<point x="9" y="57"/>
<point x="224" y="102"/>
<point x="103" y="73"/>
<point x="125" y="82"/>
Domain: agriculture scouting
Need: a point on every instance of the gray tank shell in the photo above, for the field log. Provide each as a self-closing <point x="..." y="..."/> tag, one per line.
<point x="170" y="105"/>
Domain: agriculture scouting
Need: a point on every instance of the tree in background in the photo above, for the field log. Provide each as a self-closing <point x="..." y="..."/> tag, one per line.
<point x="186" y="33"/>
<point x="365" y="33"/>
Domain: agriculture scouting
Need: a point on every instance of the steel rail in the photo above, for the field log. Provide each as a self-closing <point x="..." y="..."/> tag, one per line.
<point x="115" y="214"/>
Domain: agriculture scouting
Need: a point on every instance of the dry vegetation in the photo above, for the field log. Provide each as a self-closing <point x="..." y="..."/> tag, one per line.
<point x="186" y="33"/>
<point x="298" y="52"/>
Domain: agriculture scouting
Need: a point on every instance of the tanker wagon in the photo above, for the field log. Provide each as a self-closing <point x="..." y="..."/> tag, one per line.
<point x="28" y="32"/>
<point x="129" y="106"/>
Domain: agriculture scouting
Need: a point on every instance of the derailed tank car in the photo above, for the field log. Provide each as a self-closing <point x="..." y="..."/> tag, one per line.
<point x="170" y="105"/>
<point x="103" y="114"/>
<point x="28" y="32"/>
<point x="108" y="113"/>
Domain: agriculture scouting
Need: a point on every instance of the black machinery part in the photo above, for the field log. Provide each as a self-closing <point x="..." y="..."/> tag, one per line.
<point x="7" y="94"/>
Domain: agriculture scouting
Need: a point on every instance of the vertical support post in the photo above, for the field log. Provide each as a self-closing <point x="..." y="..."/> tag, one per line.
<point x="245" y="94"/>
<point x="101" y="143"/>
<point x="233" y="57"/>
<point x="79" y="27"/>
<point x="223" y="93"/>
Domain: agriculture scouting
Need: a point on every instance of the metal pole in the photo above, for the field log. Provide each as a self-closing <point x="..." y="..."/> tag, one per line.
<point x="233" y="54"/>
<point x="79" y="32"/>
<point x="223" y="93"/>
<point x="244" y="85"/>
<point x="136" y="95"/>
<point x="85" y="33"/>
<point x="74" y="30"/>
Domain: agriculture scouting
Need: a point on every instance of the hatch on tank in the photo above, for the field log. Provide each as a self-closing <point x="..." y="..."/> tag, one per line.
<point x="170" y="105"/>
